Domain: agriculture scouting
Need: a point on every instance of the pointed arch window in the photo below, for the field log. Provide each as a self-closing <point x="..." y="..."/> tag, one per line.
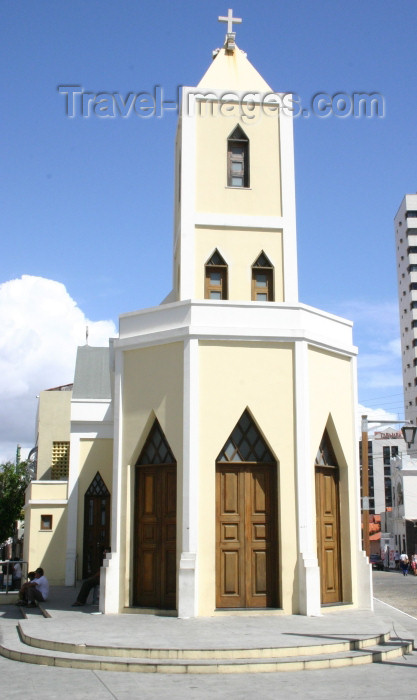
<point x="97" y="487"/>
<point x="262" y="279"/>
<point x="156" y="449"/>
<point x="238" y="159"/>
<point x="325" y="456"/>
<point x="246" y="444"/>
<point x="215" y="286"/>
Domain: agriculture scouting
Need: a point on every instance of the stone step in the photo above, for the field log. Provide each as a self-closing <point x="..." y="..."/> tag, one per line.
<point x="14" y="648"/>
<point x="207" y="653"/>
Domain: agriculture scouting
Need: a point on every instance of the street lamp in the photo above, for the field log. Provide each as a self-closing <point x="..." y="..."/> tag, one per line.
<point x="409" y="433"/>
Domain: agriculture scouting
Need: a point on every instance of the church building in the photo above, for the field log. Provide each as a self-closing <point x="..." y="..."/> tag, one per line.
<point x="213" y="443"/>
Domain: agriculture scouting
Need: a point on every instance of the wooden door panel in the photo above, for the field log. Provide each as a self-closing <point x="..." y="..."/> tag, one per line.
<point x="149" y="573"/>
<point x="169" y="537"/>
<point x="229" y="504"/>
<point x="170" y="577"/>
<point x="330" y="568"/>
<point x="261" y="546"/>
<point x="230" y="576"/>
<point x="96" y="532"/>
<point x="258" y="490"/>
<point x="155" y="537"/>
<point x="328" y="534"/>
<point x="230" y="494"/>
<point x="259" y="578"/>
<point x="149" y="500"/>
<point x="246" y="557"/>
<point x="170" y="493"/>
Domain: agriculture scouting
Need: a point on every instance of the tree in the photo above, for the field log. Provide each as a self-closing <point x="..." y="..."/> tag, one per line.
<point x="14" y="479"/>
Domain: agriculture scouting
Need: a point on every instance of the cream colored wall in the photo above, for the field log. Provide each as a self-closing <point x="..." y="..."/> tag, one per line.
<point x="53" y="425"/>
<point x="95" y="456"/>
<point x="263" y="198"/>
<point x="44" y="547"/>
<point x="233" y="377"/>
<point x="48" y="490"/>
<point x="240" y="249"/>
<point x="152" y="387"/>
<point x="332" y="407"/>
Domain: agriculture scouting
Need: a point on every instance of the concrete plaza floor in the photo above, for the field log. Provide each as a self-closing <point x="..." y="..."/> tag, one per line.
<point x="392" y="591"/>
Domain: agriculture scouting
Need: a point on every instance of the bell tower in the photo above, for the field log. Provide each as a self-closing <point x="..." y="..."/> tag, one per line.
<point x="234" y="224"/>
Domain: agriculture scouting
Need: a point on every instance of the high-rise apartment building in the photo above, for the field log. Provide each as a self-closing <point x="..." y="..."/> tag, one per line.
<point x="406" y="248"/>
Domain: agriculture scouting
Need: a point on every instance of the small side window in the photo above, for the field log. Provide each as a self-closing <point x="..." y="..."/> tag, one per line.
<point x="215" y="277"/>
<point x="238" y="159"/>
<point x="262" y="279"/>
<point x="46" y="522"/>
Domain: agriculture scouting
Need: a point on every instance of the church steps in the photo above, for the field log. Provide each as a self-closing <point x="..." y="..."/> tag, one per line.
<point x="183" y="654"/>
<point x="302" y="658"/>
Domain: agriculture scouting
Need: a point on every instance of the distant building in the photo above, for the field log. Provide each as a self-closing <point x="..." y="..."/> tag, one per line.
<point x="383" y="446"/>
<point x="402" y="521"/>
<point x="405" y="224"/>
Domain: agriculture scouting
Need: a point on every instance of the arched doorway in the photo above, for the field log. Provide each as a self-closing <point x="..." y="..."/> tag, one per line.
<point x="155" y="535"/>
<point x="246" y="520"/>
<point x="328" y="522"/>
<point x="96" y="525"/>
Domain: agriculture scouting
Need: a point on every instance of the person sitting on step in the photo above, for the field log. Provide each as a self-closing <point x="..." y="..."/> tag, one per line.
<point x="36" y="589"/>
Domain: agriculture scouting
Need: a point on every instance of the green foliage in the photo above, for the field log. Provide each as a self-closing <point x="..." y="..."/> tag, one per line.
<point x="13" y="482"/>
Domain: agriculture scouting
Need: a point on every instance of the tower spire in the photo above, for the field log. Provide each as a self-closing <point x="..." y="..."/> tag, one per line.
<point x="230" y="44"/>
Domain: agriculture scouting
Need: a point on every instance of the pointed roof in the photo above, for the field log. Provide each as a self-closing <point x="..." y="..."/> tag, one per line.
<point x="231" y="70"/>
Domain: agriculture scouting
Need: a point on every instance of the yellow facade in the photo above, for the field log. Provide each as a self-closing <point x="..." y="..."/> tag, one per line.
<point x="44" y="547"/>
<point x="331" y="401"/>
<point x="214" y="125"/>
<point x="53" y="426"/>
<point x="95" y="456"/>
<point x="240" y="250"/>
<point x="153" y="388"/>
<point x="230" y="376"/>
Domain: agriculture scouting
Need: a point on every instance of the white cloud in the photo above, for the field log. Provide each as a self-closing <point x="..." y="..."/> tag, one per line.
<point x="41" y="327"/>
<point x="376" y="414"/>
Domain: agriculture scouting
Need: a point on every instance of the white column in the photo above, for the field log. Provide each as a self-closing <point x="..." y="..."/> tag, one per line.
<point x="288" y="208"/>
<point x="188" y="176"/>
<point x="72" y="512"/>
<point x="308" y="568"/>
<point x="363" y="586"/>
<point x="188" y="578"/>
<point x="110" y="572"/>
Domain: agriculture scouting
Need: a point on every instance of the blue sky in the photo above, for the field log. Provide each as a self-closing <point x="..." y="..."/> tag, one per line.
<point x="86" y="203"/>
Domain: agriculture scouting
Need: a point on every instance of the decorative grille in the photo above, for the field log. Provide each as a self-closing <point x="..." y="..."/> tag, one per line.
<point x="97" y="487"/>
<point x="325" y="455"/>
<point x="246" y="444"/>
<point x="156" y="449"/>
<point x="60" y="460"/>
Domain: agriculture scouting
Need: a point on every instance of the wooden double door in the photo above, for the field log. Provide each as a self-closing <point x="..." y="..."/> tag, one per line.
<point x="246" y="536"/>
<point x="328" y="533"/>
<point x="155" y="536"/>
<point x="96" y="525"/>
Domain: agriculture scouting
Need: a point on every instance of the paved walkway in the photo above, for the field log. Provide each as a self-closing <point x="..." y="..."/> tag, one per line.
<point x="85" y="625"/>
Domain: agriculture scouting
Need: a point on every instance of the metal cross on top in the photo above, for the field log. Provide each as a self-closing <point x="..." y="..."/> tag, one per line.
<point x="230" y="21"/>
